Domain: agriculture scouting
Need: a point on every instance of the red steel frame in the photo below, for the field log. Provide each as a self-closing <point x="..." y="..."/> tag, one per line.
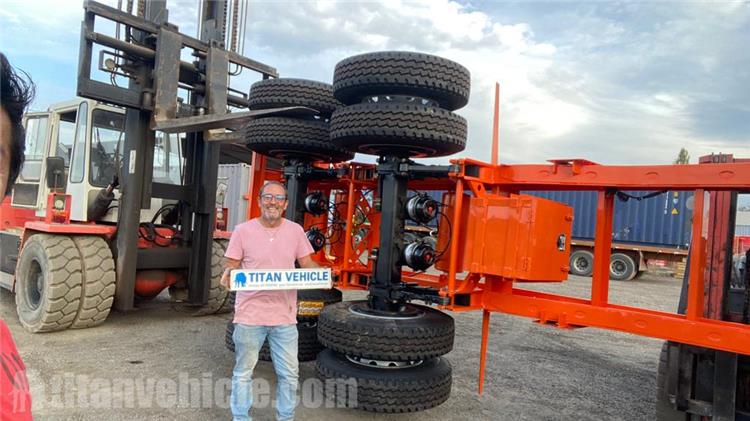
<point x="496" y="294"/>
<point x="499" y="294"/>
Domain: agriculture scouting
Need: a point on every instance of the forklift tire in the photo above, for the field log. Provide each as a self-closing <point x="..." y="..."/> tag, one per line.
<point x="665" y="410"/>
<point x="622" y="267"/>
<point x="289" y="138"/>
<point x="310" y="302"/>
<point x="398" y="129"/>
<point x="344" y="328"/>
<point x="277" y="93"/>
<point x="393" y="390"/>
<point x="308" y="346"/>
<point x="48" y="288"/>
<point x="218" y="296"/>
<point x="582" y="263"/>
<point x="98" y="286"/>
<point x="402" y="73"/>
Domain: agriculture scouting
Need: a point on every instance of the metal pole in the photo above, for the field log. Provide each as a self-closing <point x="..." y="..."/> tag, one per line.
<point x="296" y="190"/>
<point x="387" y="272"/>
<point x="205" y="164"/>
<point x="138" y="151"/>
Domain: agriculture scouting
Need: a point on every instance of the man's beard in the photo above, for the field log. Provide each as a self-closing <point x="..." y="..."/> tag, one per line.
<point x="272" y="215"/>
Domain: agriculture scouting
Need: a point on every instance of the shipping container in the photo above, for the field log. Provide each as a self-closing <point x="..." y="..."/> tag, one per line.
<point x="232" y="186"/>
<point x="662" y="220"/>
<point x="742" y="226"/>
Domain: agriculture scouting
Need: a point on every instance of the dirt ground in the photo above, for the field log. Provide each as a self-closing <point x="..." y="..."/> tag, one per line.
<point x="157" y="363"/>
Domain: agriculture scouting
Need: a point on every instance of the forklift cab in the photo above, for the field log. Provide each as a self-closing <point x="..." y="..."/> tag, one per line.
<point x="89" y="137"/>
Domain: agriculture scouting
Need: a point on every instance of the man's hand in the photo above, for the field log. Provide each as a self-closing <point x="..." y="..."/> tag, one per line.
<point x="307" y="262"/>
<point x="229" y="264"/>
<point x="225" y="279"/>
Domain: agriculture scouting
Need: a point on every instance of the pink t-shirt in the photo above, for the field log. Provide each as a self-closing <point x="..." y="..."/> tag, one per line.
<point x="259" y="247"/>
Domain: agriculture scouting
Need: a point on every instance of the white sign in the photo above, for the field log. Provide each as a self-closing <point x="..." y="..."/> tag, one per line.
<point x="131" y="162"/>
<point x="264" y="280"/>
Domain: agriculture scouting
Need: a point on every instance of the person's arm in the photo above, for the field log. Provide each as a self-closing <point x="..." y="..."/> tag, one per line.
<point x="229" y="264"/>
<point x="307" y="262"/>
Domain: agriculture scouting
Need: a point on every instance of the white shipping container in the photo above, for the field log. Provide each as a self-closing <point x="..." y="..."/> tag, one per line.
<point x="232" y="186"/>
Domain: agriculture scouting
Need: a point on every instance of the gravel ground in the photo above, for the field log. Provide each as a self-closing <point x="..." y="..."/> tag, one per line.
<point x="533" y="372"/>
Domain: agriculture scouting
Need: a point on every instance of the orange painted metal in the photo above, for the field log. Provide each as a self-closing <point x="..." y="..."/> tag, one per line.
<point x="550" y="308"/>
<point x="149" y="283"/>
<point x="597" y="177"/>
<point x="718" y="254"/>
<point x="56" y="214"/>
<point x="696" y="287"/>
<point x="602" y="249"/>
<point x="12" y="217"/>
<point x="72" y="228"/>
<point x="496" y="126"/>
<point x="498" y="238"/>
<point x="483" y="350"/>
<point x="516" y="237"/>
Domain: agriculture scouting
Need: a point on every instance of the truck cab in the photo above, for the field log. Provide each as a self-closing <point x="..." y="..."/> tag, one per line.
<point x="88" y="136"/>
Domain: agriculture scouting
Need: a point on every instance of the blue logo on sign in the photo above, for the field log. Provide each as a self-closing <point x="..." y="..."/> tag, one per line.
<point x="240" y="280"/>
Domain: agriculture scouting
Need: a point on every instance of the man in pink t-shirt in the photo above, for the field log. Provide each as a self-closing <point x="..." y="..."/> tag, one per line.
<point x="268" y="242"/>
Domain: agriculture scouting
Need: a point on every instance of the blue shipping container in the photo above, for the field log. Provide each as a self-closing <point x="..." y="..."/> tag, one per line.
<point x="663" y="220"/>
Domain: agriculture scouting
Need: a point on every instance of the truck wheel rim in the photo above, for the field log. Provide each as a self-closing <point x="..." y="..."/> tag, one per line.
<point x="581" y="264"/>
<point x="383" y="363"/>
<point x="617" y="267"/>
<point x="36" y="285"/>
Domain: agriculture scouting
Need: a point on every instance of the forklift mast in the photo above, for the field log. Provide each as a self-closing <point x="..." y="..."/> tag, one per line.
<point x="149" y="57"/>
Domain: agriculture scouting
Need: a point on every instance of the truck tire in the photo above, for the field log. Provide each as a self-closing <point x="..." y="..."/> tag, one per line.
<point x="48" y="288"/>
<point x="345" y="328"/>
<point x="98" y="285"/>
<point x="665" y="411"/>
<point x="398" y="129"/>
<point x="582" y="263"/>
<point x="277" y="93"/>
<point x="407" y="389"/>
<point x="308" y="346"/>
<point x="288" y="138"/>
<point x="402" y="73"/>
<point x="310" y="302"/>
<point x="228" y="332"/>
<point x="218" y="296"/>
<point x="622" y="267"/>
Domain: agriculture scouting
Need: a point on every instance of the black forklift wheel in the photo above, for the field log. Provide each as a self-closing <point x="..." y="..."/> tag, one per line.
<point x="402" y="73"/>
<point x="218" y="297"/>
<point x="49" y="283"/>
<point x="289" y="138"/>
<point x="360" y="383"/>
<point x="277" y="93"/>
<point x="399" y="129"/>
<point x="419" y="332"/>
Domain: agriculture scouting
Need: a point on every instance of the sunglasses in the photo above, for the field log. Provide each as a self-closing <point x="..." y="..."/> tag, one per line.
<point x="267" y="198"/>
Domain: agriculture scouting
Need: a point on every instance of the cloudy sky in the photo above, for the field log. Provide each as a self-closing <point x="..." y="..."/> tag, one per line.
<point x="616" y="83"/>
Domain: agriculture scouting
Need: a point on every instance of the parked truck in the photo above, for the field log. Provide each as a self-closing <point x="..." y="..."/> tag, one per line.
<point x="648" y="227"/>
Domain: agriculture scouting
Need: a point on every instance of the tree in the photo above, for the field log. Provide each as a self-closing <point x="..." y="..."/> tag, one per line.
<point x="683" y="157"/>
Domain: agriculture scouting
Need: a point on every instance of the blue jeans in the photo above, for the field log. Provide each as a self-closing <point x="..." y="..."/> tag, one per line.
<point x="247" y="343"/>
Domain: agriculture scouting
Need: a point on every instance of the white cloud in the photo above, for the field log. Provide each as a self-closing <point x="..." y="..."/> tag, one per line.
<point x="615" y="83"/>
<point x="492" y="51"/>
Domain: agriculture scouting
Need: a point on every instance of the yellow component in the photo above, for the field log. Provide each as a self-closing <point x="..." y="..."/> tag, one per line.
<point x="309" y="308"/>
